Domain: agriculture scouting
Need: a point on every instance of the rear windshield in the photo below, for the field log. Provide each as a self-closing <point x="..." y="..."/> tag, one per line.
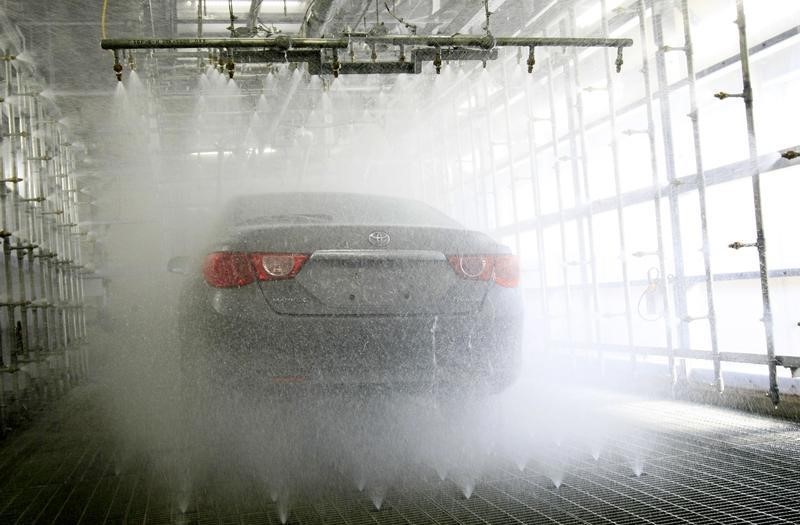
<point x="332" y="208"/>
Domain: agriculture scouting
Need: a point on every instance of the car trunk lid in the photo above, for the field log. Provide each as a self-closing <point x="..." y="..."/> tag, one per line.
<point x="347" y="275"/>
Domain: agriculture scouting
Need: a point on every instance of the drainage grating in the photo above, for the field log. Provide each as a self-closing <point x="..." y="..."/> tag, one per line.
<point x="690" y="464"/>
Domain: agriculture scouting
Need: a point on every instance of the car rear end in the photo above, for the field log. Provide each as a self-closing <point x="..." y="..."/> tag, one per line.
<point x="337" y="303"/>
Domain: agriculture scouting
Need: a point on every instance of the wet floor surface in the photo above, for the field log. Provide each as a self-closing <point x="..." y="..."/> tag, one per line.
<point x="682" y="464"/>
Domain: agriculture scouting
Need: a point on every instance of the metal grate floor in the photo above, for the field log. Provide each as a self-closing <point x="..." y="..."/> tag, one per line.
<point x="695" y="465"/>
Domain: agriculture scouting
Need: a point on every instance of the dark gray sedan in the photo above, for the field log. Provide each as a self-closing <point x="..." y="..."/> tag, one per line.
<point x="338" y="289"/>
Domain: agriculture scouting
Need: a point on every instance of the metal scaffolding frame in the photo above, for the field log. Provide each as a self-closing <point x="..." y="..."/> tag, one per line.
<point x="655" y="105"/>
<point x="44" y="324"/>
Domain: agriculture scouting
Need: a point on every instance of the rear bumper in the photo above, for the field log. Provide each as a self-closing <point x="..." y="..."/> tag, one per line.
<point x="258" y="348"/>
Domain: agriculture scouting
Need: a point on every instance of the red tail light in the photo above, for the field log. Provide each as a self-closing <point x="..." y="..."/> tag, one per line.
<point x="504" y="269"/>
<point x="228" y="269"/>
<point x="236" y="269"/>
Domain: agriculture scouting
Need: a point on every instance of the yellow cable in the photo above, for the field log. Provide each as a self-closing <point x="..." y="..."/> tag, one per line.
<point x="103" y="20"/>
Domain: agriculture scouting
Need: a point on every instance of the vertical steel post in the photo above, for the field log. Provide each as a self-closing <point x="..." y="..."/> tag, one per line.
<point x="510" y="149"/>
<point x="533" y="156"/>
<point x="761" y="243"/>
<point x="665" y="107"/>
<point x="462" y="179"/>
<point x="559" y="199"/>
<point x="701" y="193"/>
<point x="574" y="158"/>
<point x="39" y="153"/>
<point x="612" y="107"/>
<point x="14" y="138"/>
<point x="20" y="226"/>
<point x="477" y="157"/>
<point x="583" y="194"/>
<point x="487" y="115"/>
<point x="480" y="220"/>
<point x="656" y="186"/>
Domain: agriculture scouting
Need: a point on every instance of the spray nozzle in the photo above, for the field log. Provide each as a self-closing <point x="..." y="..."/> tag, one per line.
<point x="117" y="66"/>
<point x="335" y="66"/>
<point x="531" y="59"/>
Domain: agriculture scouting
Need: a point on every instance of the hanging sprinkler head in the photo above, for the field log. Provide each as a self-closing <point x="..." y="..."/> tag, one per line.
<point x="221" y="63"/>
<point x="131" y="62"/>
<point x="619" y="60"/>
<point x="437" y="60"/>
<point x="230" y="66"/>
<point x="336" y="66"/>
<point x="531" y="59"/>
<point x="117" y="66"/>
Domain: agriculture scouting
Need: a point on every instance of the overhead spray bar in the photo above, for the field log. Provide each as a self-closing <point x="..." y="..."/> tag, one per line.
<point x="278" y="49"/>
<point x="277" y="42"/>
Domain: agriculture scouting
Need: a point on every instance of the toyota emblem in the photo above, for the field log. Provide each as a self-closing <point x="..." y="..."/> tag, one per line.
<point x="379" y="239"/>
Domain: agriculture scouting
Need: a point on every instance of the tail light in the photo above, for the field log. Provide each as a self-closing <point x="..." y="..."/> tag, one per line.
<point x="228" y="269"/>
<point x="277" y="266"/>
<point x="506" y="270"/>
<point x="236" y="269"/>
<point x="503" y="269"/>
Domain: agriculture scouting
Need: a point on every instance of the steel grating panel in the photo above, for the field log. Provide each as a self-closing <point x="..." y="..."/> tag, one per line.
<point x="697" y="465"/>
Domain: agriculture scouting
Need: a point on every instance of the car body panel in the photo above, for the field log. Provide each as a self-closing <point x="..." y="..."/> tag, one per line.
<point x="356" y="313"/>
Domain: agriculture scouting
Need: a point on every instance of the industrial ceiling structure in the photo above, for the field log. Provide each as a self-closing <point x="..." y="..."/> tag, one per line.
<point x="449" y="28"/>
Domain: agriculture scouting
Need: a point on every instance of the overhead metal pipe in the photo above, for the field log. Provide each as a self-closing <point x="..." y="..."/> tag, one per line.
<point x="490" y="42"/>
<point x="291" y="42"/>
<point x="277" y="42"/>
